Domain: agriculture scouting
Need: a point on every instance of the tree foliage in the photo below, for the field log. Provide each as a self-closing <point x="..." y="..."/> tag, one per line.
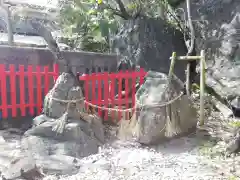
<point x="90" y="24"/>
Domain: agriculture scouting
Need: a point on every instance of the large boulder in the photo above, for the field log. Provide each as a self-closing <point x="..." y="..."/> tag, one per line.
<point x="217" y="24"/>
<point x="162" y="111"/>
<point x="81" y="134"/>
<point x="149" y="43"/>
<point x="79" y="139"/>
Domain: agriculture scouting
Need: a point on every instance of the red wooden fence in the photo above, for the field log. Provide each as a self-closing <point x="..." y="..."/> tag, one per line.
<point x="96" y="79"/>
<point x="21" y="74"/>
<point x="108" y="91"/>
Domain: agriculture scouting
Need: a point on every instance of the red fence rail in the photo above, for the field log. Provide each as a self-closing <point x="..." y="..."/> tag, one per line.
<point x="102" y="87"/>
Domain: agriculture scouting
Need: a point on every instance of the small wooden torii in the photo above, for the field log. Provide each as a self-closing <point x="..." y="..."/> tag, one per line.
<point x="202" y="77"/>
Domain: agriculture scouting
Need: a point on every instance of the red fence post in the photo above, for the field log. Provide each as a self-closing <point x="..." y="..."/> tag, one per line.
<point x="112" y="93"/>
<point x="120" y="93"/>
<point x="46" y="79"/>
<point x="133" y="91"/>
<point x="93" y="82"/>
<point x="22" y="91"/>
<point x="106" y="93"/>
<point x="99" y="95"/>
<point x="30" y="90"/>
<point x="126" y="94"/>
<point x="3" y="91"/>
<point x="12" y="74"/>
<point x="39" y="89"/>
<point x="56" y="72"/>
<point x="86" y="78"/>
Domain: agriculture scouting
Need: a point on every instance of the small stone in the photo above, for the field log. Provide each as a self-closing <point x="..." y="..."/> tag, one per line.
<point x="22" y="167"/>
<point x="233" y="146"/>
<point x="2" y="140"/>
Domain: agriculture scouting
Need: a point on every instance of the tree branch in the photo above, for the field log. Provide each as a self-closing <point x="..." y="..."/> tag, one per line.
<point x="122" y="8"/>
<point x="190" y="49"/>
<point x="117" y="12"/>
<point x="53" y="46"/>
<point x="191" y="66"/>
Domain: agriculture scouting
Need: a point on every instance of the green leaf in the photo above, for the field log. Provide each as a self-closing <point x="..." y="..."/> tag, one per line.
<point x="92" y="12"/>
<point x="132" y="6"/>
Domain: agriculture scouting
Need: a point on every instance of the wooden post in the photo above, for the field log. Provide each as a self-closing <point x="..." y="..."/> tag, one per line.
<point x="202" y="87"/>
<point x="171" y="69"/>
<point x="188" y="83"/>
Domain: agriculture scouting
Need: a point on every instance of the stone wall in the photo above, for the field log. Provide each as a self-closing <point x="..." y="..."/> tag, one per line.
<point x="80" y="61"/>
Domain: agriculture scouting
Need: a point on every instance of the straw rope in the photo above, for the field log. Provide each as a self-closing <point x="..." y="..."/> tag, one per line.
<point x="154" y="105"/>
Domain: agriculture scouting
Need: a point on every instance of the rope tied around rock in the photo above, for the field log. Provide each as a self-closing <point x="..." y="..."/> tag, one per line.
<point x="59" y="128"/>
<point x="154" y="105"/>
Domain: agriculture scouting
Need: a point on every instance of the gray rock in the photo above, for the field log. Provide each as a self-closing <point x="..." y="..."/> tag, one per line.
<point x="233" y="146"/>
<point x="64" y="89"/>
<point x="73" y="130"/>
<point x="22" y="167"/>
<point x="162" y="113"/>
<point x="40" y="119"/>
<point x="217" y="31"/>
<point x="79" y="138"/>
<point x="149" y="43"/>
<point x="58" y="164"/>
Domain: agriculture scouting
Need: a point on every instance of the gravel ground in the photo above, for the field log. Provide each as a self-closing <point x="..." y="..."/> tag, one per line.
<point x="200" y="156"/>
<point x="180" y="159"/>
<point x="194" y="157"/>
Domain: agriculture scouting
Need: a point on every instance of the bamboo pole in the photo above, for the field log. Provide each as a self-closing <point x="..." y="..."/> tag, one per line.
<point x="171" y="69"/>
<point x="202" y="87"/>
<point x="189" y="58"/>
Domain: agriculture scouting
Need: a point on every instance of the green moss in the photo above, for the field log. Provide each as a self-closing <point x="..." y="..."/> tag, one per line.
<point x="232" y="178"/>
<point x="235" y="124"/>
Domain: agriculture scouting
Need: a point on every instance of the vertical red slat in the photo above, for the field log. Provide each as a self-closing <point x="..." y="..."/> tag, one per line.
<point x="126" y="95"/>
<point x="22" y="91"/>
<point x="93" y="82"/>
<point x="30" y="90"/>
<point x="3" y="91"/>
<point x="133" y="90"/>
<point x="46" y="80"/>
<point x="112" y="94"/>
<point x="56" y="72"/>
<point x="120" y="94"/>
<point x="99" y="82"/>
<point x="13" y="90"/>
<point x="39" y="89"/>
<point x="106" y="94"/>
<point x="86" y="90"/>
